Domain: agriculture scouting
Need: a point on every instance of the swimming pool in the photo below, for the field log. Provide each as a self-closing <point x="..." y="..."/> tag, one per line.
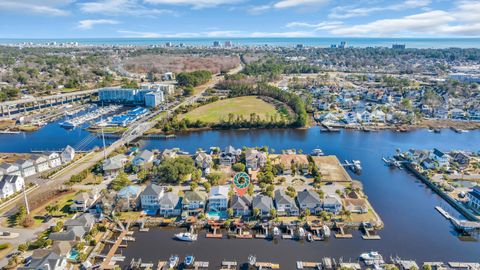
<point x="217" y="215"/>
<point x="72" y="255"/>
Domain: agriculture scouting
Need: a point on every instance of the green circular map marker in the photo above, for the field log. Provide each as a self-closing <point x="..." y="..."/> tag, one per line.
<point x="241" y="181"/>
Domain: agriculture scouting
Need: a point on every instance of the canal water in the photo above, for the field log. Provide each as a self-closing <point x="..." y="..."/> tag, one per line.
<point x="413" y="228"/>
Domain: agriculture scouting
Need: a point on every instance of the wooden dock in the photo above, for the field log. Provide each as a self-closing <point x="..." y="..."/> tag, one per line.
<point x="304" y="265"/>
<point x="244" y="236"/>
<point x="267" y="265"/>
<point x="200" y="264"/>
<point x="111" y="253"/>
<point x="161" y="265"/>
<point x="229" y="265"/>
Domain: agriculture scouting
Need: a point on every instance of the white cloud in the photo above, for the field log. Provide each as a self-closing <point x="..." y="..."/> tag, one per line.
<point x="121" y="7"/>
<point x="47" y="7"/>
<point x="89" y="24"/>
<point x="462" y="20"/>
<point x="297" y="3"/>
<point x="344" y="12"/>
<point x="214" y="34"/>
<point x="195" y="3"/>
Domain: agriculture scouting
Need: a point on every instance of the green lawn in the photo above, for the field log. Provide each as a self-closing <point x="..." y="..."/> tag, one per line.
<point x="216" y="111"/>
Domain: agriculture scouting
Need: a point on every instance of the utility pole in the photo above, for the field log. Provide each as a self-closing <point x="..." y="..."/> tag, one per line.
<point x="26" y="200"/>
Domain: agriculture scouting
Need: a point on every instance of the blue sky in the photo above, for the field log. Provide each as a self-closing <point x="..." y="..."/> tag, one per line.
<point x="238" y="18"/>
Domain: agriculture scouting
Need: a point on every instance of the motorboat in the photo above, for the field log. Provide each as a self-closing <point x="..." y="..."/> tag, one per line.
<point x="173" y="261"/>
<point x="276" y="231"/>
<point x="187" y="237"/>
<point x="189" y="260"/>
<point x="317" y="152"/>
<point x="372" y="258"/>
<point x="326" y="231"/>
<point x="357" y="165"/>
<point x="68" y="124"/>
<point x="309" y="237"/>
<point x="301" y="232"/>
<point x="252" y="260"/>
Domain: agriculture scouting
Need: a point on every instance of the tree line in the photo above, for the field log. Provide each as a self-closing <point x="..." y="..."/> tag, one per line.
<point x="194" y="78"/>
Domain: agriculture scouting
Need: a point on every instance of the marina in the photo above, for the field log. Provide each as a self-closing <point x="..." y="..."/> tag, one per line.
<point x="80" y="120"/>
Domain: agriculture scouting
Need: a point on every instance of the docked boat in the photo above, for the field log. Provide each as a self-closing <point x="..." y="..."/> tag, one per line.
<point x="309" y="237"/>
<point x="357" y="167"/>
<point x="173" y="261"/>
<point x="372" y="258"/>
<point x="317" y="152"/>
<point x="326" y="231"/>
<point x="276" y="232"/>
<point x="301" y="233"/>
<point x="252" y="260"/>
<point x="187" y="237"/>
<point x="68" y="124"/>
<point x="189" y="260"/>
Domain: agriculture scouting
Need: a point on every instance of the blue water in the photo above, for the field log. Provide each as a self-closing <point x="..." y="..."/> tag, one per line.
<point x="320" y="42"/>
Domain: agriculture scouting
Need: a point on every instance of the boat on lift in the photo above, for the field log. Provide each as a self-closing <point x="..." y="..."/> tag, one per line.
<point x="187" y="237"/>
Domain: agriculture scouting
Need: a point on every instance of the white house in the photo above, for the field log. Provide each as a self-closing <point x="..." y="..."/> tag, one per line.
<point x="218" y="198"/>
<point x="378" y="116"/>
<point x="40" y="162"/>
<point x="143" y="158"/>
<point x="9" y="184"/>
<point x="9" y="169"/>
<point x="150" y="197"/>
<point x="54" y="160"/>
<point x="68" y="154"/>
<point x="474" y="198"/>
<point x="27" y="168"/>
<point x="440" y="157"/>
<point x="365" y="117"/>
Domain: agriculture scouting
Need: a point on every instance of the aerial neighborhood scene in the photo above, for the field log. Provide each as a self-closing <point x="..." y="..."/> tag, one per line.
<point x="221" y="134"/>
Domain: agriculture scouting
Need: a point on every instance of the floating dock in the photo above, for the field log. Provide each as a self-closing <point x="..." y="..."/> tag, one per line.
<point x="306" y="265"/>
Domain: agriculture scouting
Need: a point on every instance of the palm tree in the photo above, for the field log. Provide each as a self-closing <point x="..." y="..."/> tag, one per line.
<point x="256" y="212"/>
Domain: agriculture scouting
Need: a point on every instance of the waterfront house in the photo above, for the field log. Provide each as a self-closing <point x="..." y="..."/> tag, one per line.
<point x="264" y="204"/>
<point x="128" y="198"/>
<point x="84" y="200"/>
<point x="54" y="159"/>
<point x="74" y="233"/>
<point x="461" y="158"/>
<point x="332" y="204"/>
<point x="143" y="158"/>
<point x="112" y="166"/>
<point x="474" y="114"/>
<point x="440" y="157"/>
<point x="255" y="159"/>
<point x="309" y="199"/>
<point x="474" y="198"/>
<point x="203" y="160"/>
<point x="378" y="116"/>
<point x="46" y="259"/>
<point x="9" y="184"/>
<point x="9" y="169"/>
<point x="457" y="113"/>
<point x="168" y="153"/>
<point x="365" y="117"/>
<point x="27" y="167"/>
<point x="229" y="156"/>
<point x="285" y="204"/>
<point x="440" y="113"/>
<point x="351" y="118"/>
<point x="241" y="205"/>
<point x="85" y="220"/>
<point x="40" y="162"/>
<point x="356" y="205"/>
<point x="293" y="163"/>
<point x="170" y="204"/>
<point x="218" y="198"/>
<point x="194" y="202"/>
<point x="68" y="154"/>
<point x="150" y="197"/>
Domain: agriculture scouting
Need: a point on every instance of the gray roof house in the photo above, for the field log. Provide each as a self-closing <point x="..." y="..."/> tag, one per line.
<point x="286" y="205"/>
<point x="114" y="165"/>
<point x="332" y="204"/>
<point x="27" y="167"/>
<point x="203" y="160"/>
<point x="170" y="204"/>
<point x="241" y="205"/>
<point x="143" y="158"/>
<point x="74" y="233"/>
<point x="194" y="201"/>
<point x="255" y="159"/>
<point x="85" y="220"/>
<point x="264" y="204"/>
<point x="6" y="168"/>
<point x="46" y="259"/>
<point x="150" y="197"/>
<point x="229" y="156"/>
<point x="309" y="199"/>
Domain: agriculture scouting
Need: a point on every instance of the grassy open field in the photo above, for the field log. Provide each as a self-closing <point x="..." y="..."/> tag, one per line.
<point x="216" y="111"/>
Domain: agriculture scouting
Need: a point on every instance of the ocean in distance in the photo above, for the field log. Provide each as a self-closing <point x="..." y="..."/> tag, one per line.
<point x="436" y="43"/>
